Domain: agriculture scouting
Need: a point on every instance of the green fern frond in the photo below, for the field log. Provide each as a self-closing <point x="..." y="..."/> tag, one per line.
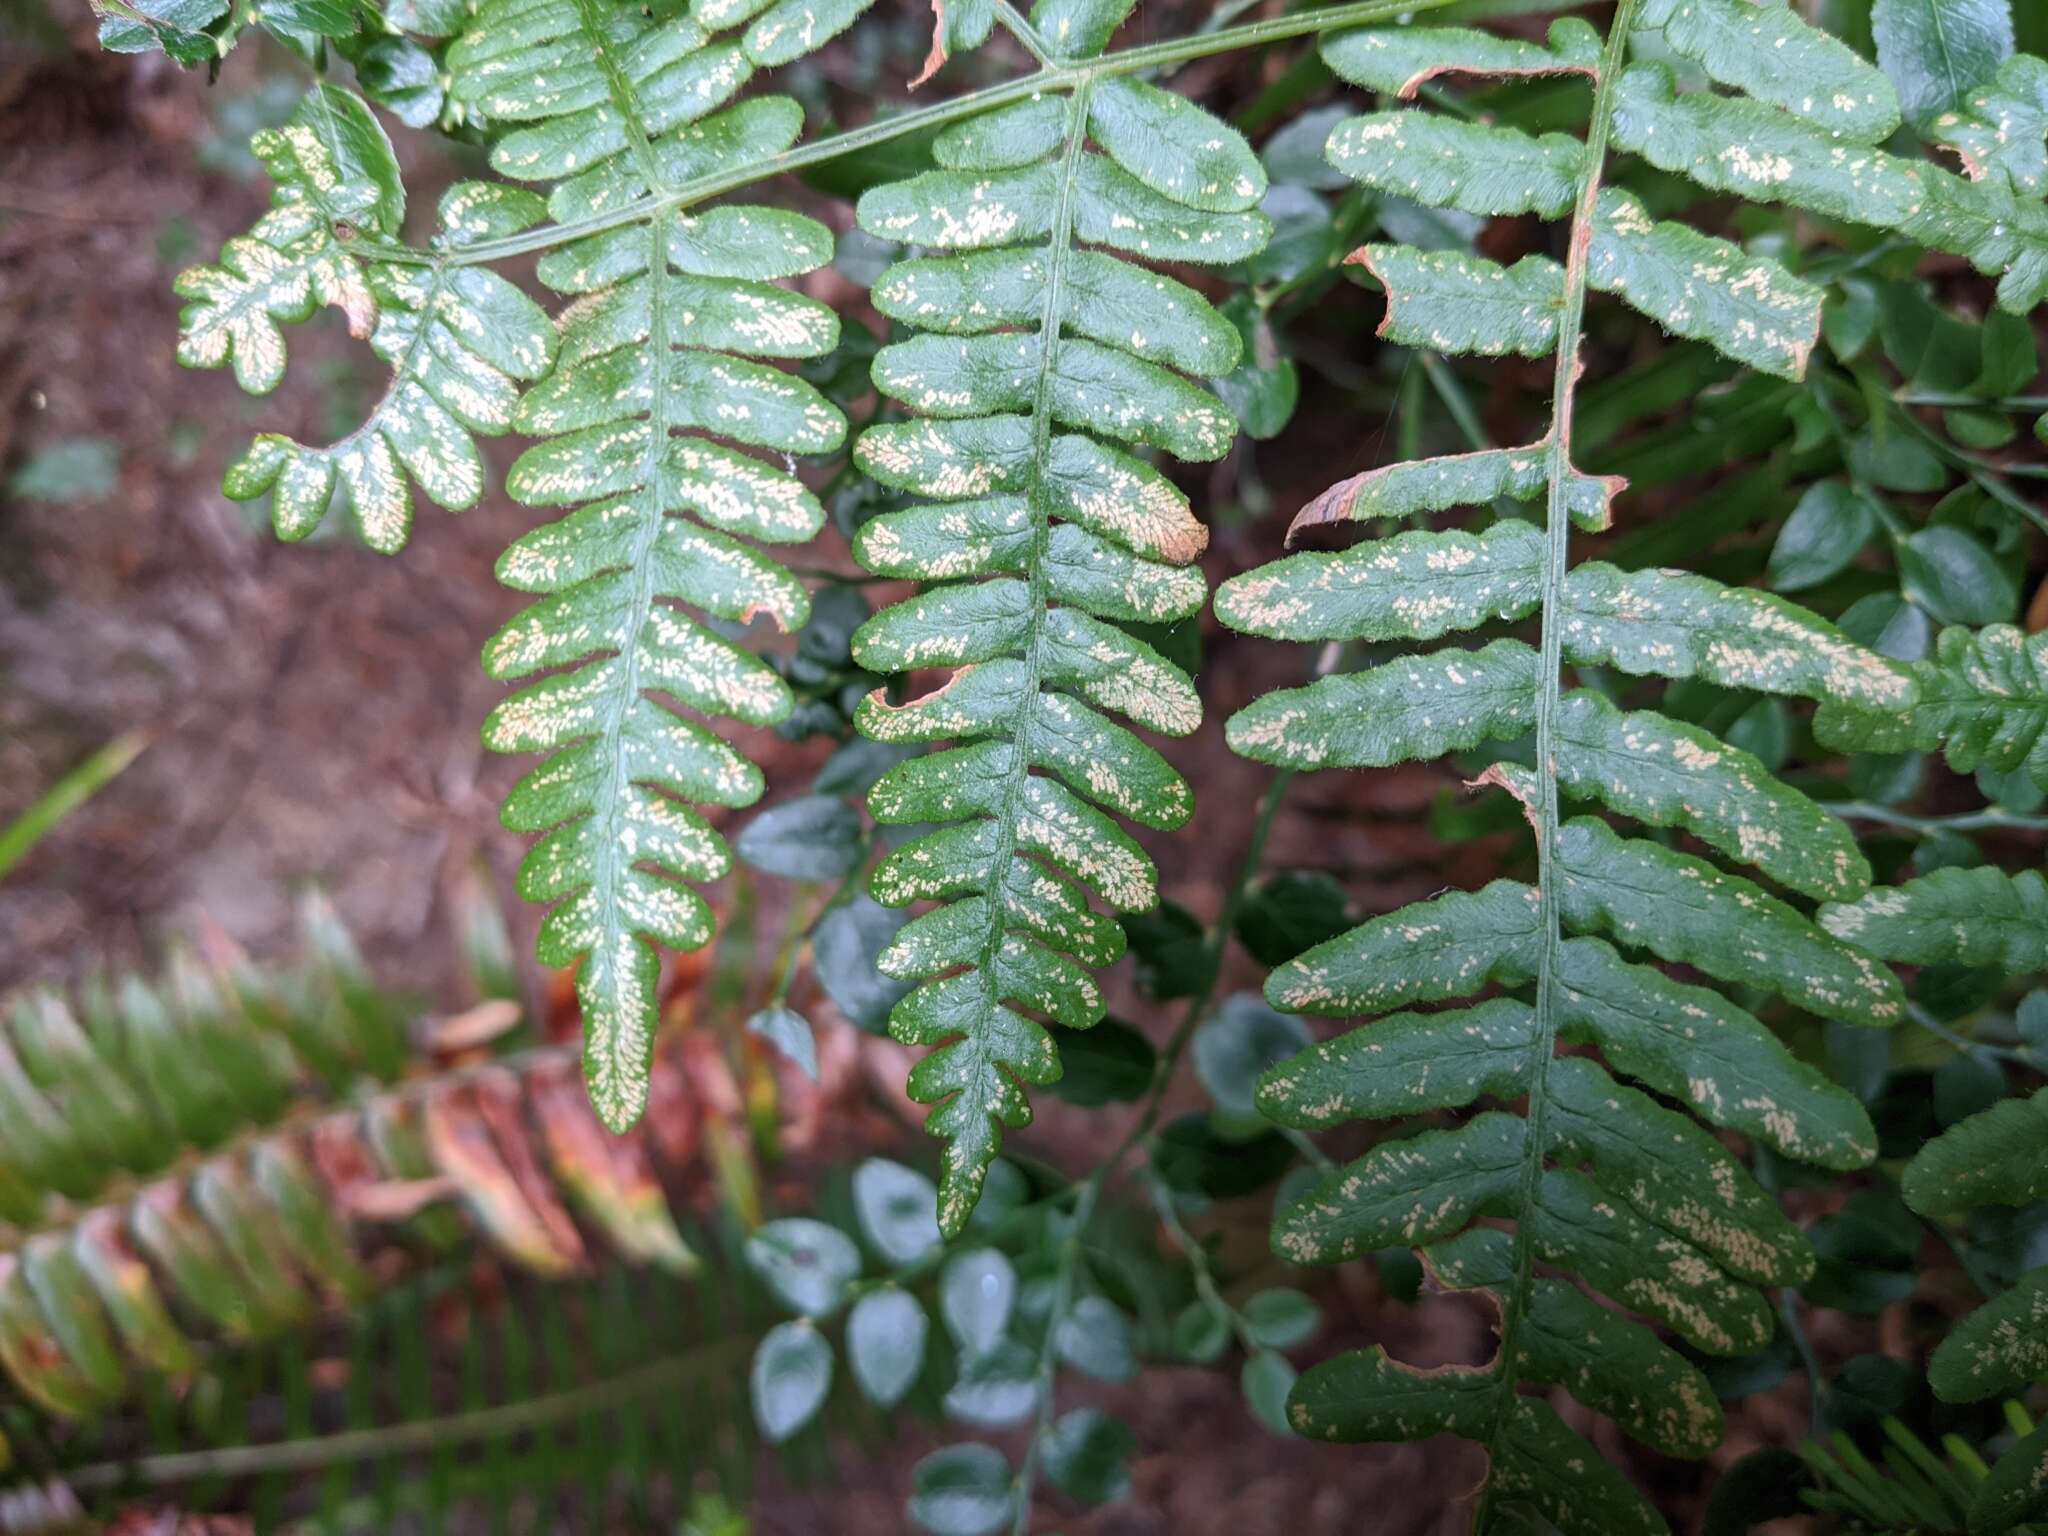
<point x="618" y="1395"/>
<point x="1600" y="1181"/>
<point x="459" y="340"/>
<point x="121" y="1079"/>
<point x="1916" y="1490"/>
<point x="1999" y="1156"/>
<point x="1045" y="344"/>
<point x="656" y="372"/>
<point x="1980" y="916"/>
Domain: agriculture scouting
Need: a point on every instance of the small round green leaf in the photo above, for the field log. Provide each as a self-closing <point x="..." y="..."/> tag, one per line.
<point x="791" y="1374"/>
<point x="1266" y="1380"/>
<point x="1281" y="1318"/>
<point x="898" y="1209"/>
<point x="964" y="1490"/>
<point x="790" y="1033"/>
<point x="843" y="954"/>
<point x="1292" y="911"/>
<point x="976" y="1295"/>
<point x="1831" y="524"/>
<point x="1235" y="1046"/>
<point x="1095" y="1338"/>
<point x="1954" y="578"/>
<point x="885" y="1338"/>
<point x="1109" y="1064"/>
<point x="807" y="1264"/>
<point x="995" y="1388"/>
<point x="813" y="837"/>
<point x="1087" y="1454"/>
<point x="1201" y="1333"/>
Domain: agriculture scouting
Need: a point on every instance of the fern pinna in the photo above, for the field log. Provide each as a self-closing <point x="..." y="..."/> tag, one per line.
<point x="648" y="390"/>
<point x="1599" y="1179"/>
<point x="1978" y="917"/>
<point x="1040" y="540"/>
<point x="656" y="361"/>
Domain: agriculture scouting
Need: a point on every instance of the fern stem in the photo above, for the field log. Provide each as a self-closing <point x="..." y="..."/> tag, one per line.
<point x="1053" y="77"/>
<point x="1014" y="22"/>
<point x="1557" y="527"/>
<point x="1942" y="1032"/>
<point x="1993" y="820"/>
<point x="1971" y="402"/>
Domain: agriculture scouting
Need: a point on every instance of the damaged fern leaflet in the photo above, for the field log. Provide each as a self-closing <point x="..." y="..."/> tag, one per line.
<point x="1599" y="1179"/>
<point x="1038" y="541"/>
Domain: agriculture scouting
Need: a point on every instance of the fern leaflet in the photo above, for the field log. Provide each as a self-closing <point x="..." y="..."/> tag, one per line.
<point x="1040" y="539"/>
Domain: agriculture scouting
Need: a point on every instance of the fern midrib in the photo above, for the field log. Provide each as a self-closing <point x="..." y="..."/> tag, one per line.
<point x="1058" y="244"/>
<point x="612" y="798"/>
<point x="623" y="96"/>
<point x="1055" y="77"/>
<point x="1557" y="544"/>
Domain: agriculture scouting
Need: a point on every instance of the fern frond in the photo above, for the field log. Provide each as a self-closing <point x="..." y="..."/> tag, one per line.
<point x="1996" y="1157"/>
<point x="1983" y="704"/>
<point x="263" y="1236"/>
<point x="1980" y="916"/>
<point x="122" y="1078"/>
<point x="334" y="172"/>
<point x="459" y="341"/>
<point x="1601" y="1181"/>
<point x="1044" y="346"/>
<point x="665" y="357"/>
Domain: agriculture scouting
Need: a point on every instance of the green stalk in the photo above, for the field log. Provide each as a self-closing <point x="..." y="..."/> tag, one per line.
<point x="1993" y="820"/>
<point x="1557" y="523"/>
<point x="22" y="834"/>
<point x="1055" y="76"/>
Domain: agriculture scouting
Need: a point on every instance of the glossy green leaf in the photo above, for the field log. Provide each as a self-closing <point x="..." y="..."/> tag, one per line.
<point x="807" y="1263"/>
<point x="898" y="1210"/>
<point x="1826" y="531"/>
<point x="790" y="1033"/>
<point x="1086" y="1454"/>
<point x="977" y="1292"/>
<point x="963" y="1490"/>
